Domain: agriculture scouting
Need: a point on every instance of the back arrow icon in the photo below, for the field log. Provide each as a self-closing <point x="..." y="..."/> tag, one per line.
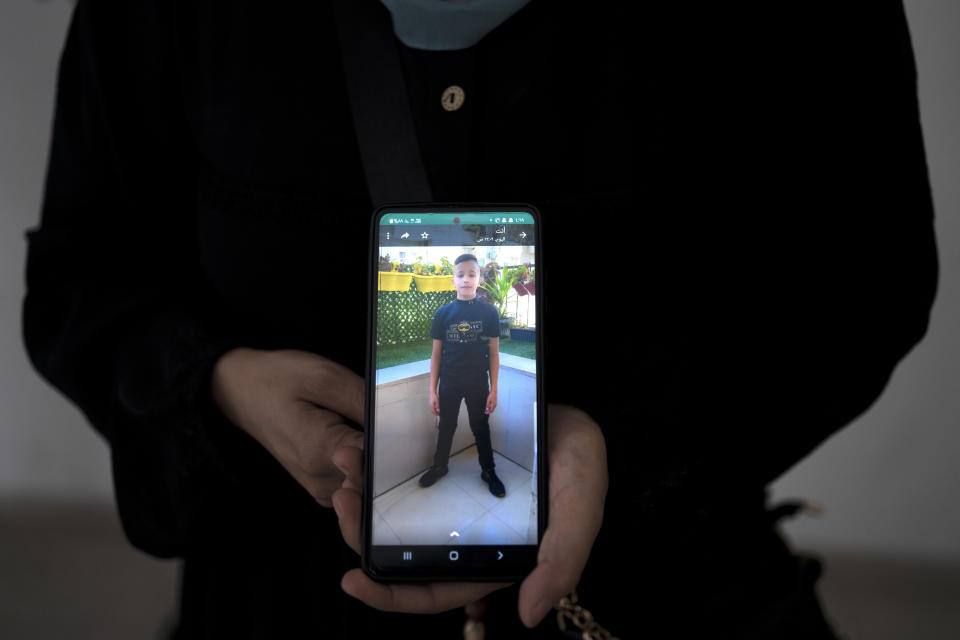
<point x="499" y="555"/>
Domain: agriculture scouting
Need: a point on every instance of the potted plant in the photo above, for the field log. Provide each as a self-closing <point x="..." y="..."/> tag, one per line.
<point x="498" y="288"/>
<point x="523" y="334"/>
<point x="531" y="284"/>
<point x="446" y="267"/>
<point x="397" y="280"/>
<point x="527" y="334"/>
<point x="426" y="283"/>
<point x="430" y="277"/>
<point x="519" y="274"/>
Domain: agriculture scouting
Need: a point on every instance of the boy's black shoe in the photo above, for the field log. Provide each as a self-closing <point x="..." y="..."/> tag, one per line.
<point x="432" y="475"/>
<point x="496" y="487"/>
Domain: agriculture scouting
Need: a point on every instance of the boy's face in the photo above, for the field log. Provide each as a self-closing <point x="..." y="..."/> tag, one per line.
<point x="466" y="279"/>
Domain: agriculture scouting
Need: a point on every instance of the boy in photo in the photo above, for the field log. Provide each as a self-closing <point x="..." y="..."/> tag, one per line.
<point x="466" y="342"/>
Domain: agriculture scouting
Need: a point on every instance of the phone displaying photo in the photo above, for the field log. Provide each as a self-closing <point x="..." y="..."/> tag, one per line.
<point x="454" y="444"/>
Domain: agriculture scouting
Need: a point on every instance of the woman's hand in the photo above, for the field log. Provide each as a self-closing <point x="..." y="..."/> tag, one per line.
<point x="296" y="405"/>
<point x="577" y="490"/>
<point x="434" y="403"/>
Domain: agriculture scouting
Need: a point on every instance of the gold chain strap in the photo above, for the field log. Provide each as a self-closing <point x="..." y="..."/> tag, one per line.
<point x="582" y="619"/>
<point x="567" y="608"/>
<point x="474" y="630"/>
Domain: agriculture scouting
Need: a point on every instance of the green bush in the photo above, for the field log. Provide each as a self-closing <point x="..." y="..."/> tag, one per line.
<point x="405" y="316"/>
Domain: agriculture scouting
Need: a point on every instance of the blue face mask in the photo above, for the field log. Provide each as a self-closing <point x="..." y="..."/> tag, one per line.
<point x="445" y="25"/>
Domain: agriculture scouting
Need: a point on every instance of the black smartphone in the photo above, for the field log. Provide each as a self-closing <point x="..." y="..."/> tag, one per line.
<point x="454" y="439"/>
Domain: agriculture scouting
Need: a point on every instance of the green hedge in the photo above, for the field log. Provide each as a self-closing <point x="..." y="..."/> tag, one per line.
<point x="405" y="316"/>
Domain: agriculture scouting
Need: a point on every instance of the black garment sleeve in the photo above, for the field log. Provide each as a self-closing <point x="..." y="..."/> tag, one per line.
<point x="788" y="304"/>
<point x="117" y="314"/>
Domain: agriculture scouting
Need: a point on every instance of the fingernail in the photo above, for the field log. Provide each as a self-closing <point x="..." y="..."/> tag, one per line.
<point x="540" y="611"/>
<point x="340" y="468"/>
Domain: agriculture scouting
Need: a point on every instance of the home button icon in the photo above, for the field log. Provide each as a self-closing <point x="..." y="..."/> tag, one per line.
<point x="454" y="555"/>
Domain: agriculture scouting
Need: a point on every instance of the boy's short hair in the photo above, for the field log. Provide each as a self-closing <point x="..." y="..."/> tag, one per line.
<point x="463" y="257"/>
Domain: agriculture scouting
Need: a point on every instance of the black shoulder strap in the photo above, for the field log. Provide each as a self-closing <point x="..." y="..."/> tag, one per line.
<point x="381" y="108"/>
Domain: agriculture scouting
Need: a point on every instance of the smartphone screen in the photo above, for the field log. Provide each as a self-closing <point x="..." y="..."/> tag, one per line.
<point x="454" y="397"/>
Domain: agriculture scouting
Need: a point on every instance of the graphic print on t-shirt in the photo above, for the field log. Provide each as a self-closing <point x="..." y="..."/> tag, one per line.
<point x="466" y="328"/>
<point x="465" y="331"/>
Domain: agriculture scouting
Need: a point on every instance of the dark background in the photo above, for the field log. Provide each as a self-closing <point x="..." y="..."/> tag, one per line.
<point x="889" y="482"/>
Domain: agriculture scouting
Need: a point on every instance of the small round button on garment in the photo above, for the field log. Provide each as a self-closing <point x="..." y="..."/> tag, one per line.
<point x="452" y="98"/>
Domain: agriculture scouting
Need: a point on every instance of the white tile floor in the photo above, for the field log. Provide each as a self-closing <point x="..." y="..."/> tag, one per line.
<point x="459" y="501"/>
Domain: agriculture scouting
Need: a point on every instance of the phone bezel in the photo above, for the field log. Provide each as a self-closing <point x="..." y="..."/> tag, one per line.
<point x="492" y="572"/>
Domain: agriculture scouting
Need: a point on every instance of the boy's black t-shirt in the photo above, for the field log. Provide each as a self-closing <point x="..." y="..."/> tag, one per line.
<point x="465" y="326"/>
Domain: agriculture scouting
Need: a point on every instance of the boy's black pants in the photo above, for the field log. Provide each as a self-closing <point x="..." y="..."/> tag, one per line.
<point x="450" y="394"/>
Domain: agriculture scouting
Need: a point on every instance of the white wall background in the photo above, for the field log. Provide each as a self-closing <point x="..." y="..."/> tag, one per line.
<point x="46" y="448"/>
<point x="889" y="482"/>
